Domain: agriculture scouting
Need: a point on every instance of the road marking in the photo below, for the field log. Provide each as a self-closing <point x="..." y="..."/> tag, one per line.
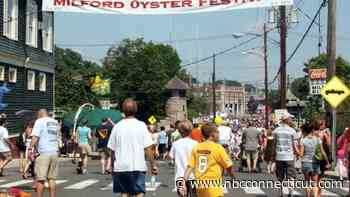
<point x="17" y="183"/>
<point x="83" y="184"/>
<point x="294" y="192"/>
<point x="57" y="183"/>
<point x="108" y="187"/>
<point x="149" y="188"/>
<point x="253" y="190"/>
<point x="328" y="193"/>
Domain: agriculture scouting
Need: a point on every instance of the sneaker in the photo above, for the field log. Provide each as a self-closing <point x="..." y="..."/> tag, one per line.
<point x="85" y="171"/>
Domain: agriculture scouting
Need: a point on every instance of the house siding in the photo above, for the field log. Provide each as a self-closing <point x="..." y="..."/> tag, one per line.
<point x="14" y="54"/>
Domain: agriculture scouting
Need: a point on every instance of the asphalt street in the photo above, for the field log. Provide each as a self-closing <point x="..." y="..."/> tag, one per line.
<point x="70" y="184"/>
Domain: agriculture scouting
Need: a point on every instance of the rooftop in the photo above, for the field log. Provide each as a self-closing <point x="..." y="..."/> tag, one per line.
<point x="176" y="84"/>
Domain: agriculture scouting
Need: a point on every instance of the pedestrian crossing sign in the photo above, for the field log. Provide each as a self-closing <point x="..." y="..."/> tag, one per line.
<point x="335" y="92"/>
<point x="152" y="120"/>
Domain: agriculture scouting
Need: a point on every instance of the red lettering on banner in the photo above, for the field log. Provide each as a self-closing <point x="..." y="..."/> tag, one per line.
<point x="107" y="4"/>
<point x="187" y="3"/>
<point x="60" y="2"/>
<point x="202" y="2"/>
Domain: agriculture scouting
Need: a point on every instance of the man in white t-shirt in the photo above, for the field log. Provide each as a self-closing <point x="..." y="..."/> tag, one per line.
<point x="182" y="149"/>
<point x="286" y="147"/>
<point x="46" y="132"/>
<point x="129" y="141"/>
<point x="5" y="151"/>
<point x="225" y="134"/>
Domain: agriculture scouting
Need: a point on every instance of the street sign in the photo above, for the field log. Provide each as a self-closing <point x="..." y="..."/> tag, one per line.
<point x="335" y="92"/>
<point x="317" y="79"/>
<point x="152" y="120"/>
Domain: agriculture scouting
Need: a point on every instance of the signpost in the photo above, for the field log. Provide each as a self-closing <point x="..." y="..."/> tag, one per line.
<point x="334" y="92"/>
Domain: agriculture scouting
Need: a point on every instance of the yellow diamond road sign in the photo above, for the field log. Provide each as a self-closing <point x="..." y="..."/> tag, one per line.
<point x="152" y="120"/>
<point x="335" y="92"/>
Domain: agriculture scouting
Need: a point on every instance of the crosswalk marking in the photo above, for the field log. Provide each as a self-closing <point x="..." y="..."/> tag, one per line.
<point x="328" y="193"/>
<point x="16" y="183"/>
<point x="83" y="184"/>
<point x="253" y="190"/>
<point x="294" y="192"/>
<point x="57" y="182"/>
<point x="149" y="188"/>
<point x="108" y="187"/>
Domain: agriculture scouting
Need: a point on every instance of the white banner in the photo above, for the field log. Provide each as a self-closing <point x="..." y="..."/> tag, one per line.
<point x="155" y="6"/>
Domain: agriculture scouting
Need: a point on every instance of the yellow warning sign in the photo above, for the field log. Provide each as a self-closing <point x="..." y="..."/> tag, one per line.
<point x="152" y="120"/>
<point x="335" y="92"/>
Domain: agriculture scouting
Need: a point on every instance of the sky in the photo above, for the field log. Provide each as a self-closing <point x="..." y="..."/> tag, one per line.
<point x="196" y="36"/>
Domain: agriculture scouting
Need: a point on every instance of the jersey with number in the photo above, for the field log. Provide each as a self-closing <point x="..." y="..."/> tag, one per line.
<point x="209" y="159"/>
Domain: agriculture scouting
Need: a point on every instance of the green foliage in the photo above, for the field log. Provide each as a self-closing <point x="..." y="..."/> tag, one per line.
<point x="313" y="109"/>
<point x="72" y="86"/>
<point x="141" y="70"/>
<point x="252" y="105"/>
<point x="249" y="88"/>
<point x="196" y="106"/>
<point x="229" y="83"/>
<point x="300" y="88"/>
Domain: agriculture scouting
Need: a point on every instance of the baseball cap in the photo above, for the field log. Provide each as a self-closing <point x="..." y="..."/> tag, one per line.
<point x="286" y="116"/>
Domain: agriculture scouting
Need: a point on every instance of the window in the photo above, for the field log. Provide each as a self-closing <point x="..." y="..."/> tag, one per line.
<point x="32" y="23"/>
<point x="42" y="82"/>
<point x="10" y="19"/>
<point x="31" y="80"/>
<point x="47" y="31"/>
<point x="2" y="73"/>
<point x="12" y="75"/>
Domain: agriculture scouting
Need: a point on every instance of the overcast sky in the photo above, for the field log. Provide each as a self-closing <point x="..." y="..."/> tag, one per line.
<point x="214" y="31"/>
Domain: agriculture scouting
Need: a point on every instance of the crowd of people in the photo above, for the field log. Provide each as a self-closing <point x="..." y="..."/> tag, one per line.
<point x="198" y="151"/>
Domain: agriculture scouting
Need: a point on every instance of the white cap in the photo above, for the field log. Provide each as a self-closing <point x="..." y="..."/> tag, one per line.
<point x="286" y="116"/>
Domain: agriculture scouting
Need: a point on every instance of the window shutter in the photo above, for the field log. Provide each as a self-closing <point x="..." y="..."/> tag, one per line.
<point x="14" y="22"/>
<point x="5" y="18"/>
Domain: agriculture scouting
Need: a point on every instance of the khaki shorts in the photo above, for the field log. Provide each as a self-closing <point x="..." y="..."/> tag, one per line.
<point x="104" y="152"/>
<point x="6" y="155"/>
<point x="46" y="167"/>
<point x="251" y="155"/>
<point x="85" y="149"/>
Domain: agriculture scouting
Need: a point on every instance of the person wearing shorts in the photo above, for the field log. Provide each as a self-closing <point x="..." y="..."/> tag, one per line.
<point x="45" y="139"/>
<point x="5" y="150"/>
<point x="130" y="141"/>
<point x="251" y="139"/>
<point x="84" y="136"/>
<point x="103" y="133"/>
<point x="285" y="147"/>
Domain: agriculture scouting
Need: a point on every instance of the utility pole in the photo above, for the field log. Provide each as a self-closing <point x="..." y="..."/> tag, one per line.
<point x="213" y="86"/>
<point x="283" y="73"/>
<point x="331" y="56"/>
<point x="266" y="80"/>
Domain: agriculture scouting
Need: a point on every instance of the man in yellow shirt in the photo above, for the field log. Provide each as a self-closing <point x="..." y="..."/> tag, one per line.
<point x="209" y="160"/>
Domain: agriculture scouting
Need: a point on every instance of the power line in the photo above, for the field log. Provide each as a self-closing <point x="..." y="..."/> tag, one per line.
<point x="220" y="53"/>
<point x="301" y="40"/>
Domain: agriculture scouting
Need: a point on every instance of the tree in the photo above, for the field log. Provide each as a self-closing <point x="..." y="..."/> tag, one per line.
<point x="300" y="88"/>
<point x="229" y="83"/>
<point x="196" y="106"/>
<point x="312" y="110"/>
<point x="252" y="105"/>
<point x="141" y="70"/>
<point x="249" y="88"/>
<point x="72" y="86"/>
